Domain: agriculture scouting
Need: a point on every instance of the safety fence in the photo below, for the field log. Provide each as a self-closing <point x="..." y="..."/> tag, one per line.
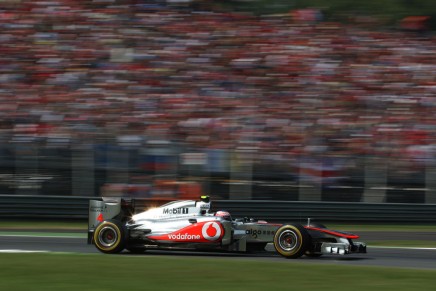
<point x="233" y="174"/>
<point x="76" y="208"/>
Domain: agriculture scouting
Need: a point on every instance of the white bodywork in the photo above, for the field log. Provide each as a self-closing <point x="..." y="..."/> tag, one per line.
<point x="172" y="216"/>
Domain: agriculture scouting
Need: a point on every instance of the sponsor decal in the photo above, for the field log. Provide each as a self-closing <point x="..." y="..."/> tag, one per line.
<point x="183" y="210"/>
<point x="98" y="208"/>
<point x="205" y="206"/>
<point x="184" y="236"/>
<point x="211" y="231"/>
<point x="100" y="217"/>
<point x="203" y="232"/>
<point x="256" y="232"/>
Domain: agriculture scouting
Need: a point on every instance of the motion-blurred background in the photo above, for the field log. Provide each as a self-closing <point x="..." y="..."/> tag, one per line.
<point x="277" y="100"/>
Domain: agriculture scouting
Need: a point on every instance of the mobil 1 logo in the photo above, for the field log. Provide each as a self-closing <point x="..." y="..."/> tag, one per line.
<point x="182" y="210"/>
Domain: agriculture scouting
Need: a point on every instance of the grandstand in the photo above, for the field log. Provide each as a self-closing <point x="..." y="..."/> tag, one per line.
<point x="321" y="103"/>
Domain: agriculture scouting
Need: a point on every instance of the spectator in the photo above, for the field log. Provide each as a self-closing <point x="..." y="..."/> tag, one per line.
<point x="211" y="79"/>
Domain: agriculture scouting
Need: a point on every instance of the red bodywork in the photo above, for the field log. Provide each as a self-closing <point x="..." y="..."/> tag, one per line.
<point x="333" y="232"/>
<point x="202" y="232"/>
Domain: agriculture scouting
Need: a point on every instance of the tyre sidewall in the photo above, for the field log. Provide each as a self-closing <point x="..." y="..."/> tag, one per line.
<point x="118" y="245"/>
<point x="302" y="241"/>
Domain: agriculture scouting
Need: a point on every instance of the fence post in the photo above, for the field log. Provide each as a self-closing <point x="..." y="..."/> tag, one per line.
<point x="241" y="174"/>
<point x="83" y="170"/>
<point x="25" y="179"/>
<point x="309" y="184"/>
<point x="430" y="184"/>
<point x="117" y="166"/>
<point x="375" y="180"/>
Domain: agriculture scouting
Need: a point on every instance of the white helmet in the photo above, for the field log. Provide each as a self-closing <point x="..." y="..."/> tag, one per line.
<point x="224" y="214"/>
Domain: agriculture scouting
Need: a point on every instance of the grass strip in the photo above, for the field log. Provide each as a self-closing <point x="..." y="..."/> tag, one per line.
<point x="101" y="272"/>
<point x="31" y="224"/>
<point x="43" y="234"/>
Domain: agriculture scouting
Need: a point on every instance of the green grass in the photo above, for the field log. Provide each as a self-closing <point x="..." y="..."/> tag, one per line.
<point x="46" y="234"/>
<point x="100" y="272"/>
<point x="31" y="224"/>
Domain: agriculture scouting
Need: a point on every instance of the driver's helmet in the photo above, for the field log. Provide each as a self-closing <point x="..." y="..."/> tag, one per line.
<point x="224" y="214"/>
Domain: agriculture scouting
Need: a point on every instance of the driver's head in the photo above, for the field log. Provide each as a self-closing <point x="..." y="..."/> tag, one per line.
<point x="224" y="214"/>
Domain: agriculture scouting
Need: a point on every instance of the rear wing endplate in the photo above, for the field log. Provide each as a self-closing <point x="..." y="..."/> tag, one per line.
<point x="101" y="210"/>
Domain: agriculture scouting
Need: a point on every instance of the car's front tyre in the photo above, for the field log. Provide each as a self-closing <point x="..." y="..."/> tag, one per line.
<point x="291" y="241"/>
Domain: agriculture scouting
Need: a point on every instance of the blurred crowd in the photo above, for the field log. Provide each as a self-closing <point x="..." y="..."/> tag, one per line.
<point x="125" y="71"/>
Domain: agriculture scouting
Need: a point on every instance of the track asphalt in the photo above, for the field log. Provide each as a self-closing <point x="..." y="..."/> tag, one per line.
<point x="422" y="258"/>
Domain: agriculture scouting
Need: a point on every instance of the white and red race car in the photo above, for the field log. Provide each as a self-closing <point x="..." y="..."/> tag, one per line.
<point x="190" y="225"/>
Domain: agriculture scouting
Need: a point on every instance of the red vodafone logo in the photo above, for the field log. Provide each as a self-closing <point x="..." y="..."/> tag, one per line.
<point x="204" y="232"/>
<point x="211" y="231"/>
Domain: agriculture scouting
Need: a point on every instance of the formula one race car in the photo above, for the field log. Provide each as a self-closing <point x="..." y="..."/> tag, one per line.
<point x="189" y="225"/>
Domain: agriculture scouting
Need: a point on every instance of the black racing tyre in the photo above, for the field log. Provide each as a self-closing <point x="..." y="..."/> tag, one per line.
<point x="291" y="241"/>
<point x="110" y="236"/>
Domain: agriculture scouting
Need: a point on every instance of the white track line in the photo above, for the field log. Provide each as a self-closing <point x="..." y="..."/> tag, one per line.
<point x="402" y="248"/>
<point x="13" y="251"/>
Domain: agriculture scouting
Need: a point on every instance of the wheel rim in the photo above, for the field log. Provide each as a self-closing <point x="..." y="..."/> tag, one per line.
<point x="288" y="240"/>
<point x="107" y="236"/>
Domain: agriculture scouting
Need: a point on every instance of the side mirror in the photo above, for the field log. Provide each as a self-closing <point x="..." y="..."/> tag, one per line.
<point x="192" y="220"/>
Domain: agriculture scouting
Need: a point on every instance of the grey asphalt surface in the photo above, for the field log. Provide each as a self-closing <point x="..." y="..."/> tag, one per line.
<point x="385" y="257"/>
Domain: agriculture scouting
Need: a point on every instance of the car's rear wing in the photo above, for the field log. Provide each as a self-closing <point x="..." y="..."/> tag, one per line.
<point x="107" y="208"/>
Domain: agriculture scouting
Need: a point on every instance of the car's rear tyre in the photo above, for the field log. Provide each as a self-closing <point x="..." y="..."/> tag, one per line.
<point x="110" y="237"/>
<point x="291" y="241"/>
